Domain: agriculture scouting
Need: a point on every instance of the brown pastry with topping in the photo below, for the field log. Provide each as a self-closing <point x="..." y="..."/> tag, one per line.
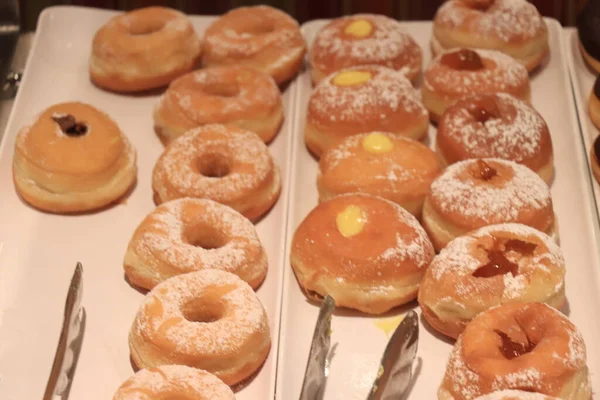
<point x="530" y="347"/>
<point x="494" y="265"/>
<point x="462" y="72"/>
<point x="594" y="103"/>
<point x="73" y="158"/>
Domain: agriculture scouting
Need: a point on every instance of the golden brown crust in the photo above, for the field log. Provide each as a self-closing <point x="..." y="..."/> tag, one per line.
<point x="594" y="109"/>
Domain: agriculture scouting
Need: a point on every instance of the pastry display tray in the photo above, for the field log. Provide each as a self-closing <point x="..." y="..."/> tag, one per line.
<point x="358" y="340"/>
<point x="38" y="251"/>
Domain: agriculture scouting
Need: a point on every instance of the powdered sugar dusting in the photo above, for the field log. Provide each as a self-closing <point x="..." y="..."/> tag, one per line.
<point x="515" y="395"/>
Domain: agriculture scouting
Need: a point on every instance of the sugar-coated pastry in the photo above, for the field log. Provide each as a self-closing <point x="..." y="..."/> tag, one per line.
<point x="230" y="95"/>
<point x="514" y="27"/>
<point x="494" y="265"/>
<point x="495" y="125"/>
<point x="187" y="235"/>
<point x="210" y="319"/>
<point x="515" y="395"/>
<point x="382" y="164"/>
<point x="530" y="347"/>
<point x="143" y="49"/>
<point x="229" y="165"/>
<point x="173" y="381"/>
<point x="364" y="251"/>
<point x="589" y="36"/>
<point x="475" y="193"/>
<point x="260" y="37"/>
<point x="363" y="99"/>
<point x="73" y="158"/>
<point x="364" y="39"/>
<point x="458" y="73"/>
<point x="594" y="103"/>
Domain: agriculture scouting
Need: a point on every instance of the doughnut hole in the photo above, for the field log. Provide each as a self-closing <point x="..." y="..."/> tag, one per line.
<point x="208" y="308"/>
<point x="204" y="236"/>
<point x="263" y="28"/>
<point x="486" y="110"/>
<point x="498" y="263"/>
<point x="140" y="27"/>
<point x="512" y="349"/>
<point x="213" y="166"/>
<point x="221" y="89"/>
<point x="484" y="171"/>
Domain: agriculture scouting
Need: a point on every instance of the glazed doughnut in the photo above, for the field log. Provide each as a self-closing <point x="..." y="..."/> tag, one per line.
<point x="515" y="395"/>
<point x="364" y="251"/>
<point x="143" y="49"/>
<point x="475" y="193"/>
<point x="462" y="72"/>
<point x="364" y="39"/>
<point x="73" y="158"/>
<point x="260" y="37"/>
<point x="229" y="165"/>
<point x="229" y="95"/>
<point x="495" y="125"/>
<point x="589" y="37"/>
<point x="530" y="347"/>
<point x="595" y="158"/>
<point x="514" y="27"/>
<point x="382" y="164"/>
<point x="209" y="319"/>
<point x="497" y="264"/>
<point x="363" y="99"/>
<point x="188" y="235"/>
<point x="594" y="103"/>
<point x="173" y="381"/>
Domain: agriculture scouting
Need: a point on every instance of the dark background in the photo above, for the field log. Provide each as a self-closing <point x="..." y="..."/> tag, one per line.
<point x="303" y="10"/>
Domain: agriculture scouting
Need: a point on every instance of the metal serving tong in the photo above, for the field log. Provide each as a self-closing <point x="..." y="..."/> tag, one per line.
<point x="395" y="370"/>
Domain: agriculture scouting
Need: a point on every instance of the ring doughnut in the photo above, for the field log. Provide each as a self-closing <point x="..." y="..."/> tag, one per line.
<point x="230" y="95"/>
<point x="515" y="395"/>
<point x="173" y="381"/>
<point x="143" y="49"/>
<point x="229" y="165"/>
<point x="209" y="319"/>
<point x="187" y="235"/>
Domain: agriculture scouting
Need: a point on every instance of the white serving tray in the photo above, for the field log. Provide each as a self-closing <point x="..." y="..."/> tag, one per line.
<point x="357" y="342"/>
<point x="38" y="251"/>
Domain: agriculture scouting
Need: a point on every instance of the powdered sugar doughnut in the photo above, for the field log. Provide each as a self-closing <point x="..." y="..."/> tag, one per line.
<point x="209" y="319"/>
<point x="475" y="193"/>
<point x="173" y="380"/>
<point x="515" y="395"/>
<point x="363" y="99"/>
<point x="229" y="165"/>
<point x="495" y="125"/>
<point x="364" y="39"/>
<point x="530" y="347"/>
<point x="364" y="251"/>
<point x="497" y="264"/>
<point x="187" y="235"/>
<point x="230" y="95"/>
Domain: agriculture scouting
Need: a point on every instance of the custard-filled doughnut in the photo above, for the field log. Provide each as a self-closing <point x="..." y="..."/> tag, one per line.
<point x="173" y="381"/>
<point x="475" y="193"/>
<point x="515" y="395"/>
<point x="229" y="165"/>
<point x="458" y="73"/>
<point x="209" y="319"/>
<point x="594" y="103"/>
<point x="187" y="235"/>
<point x="589" y="36"/>
<point x="143" y="49"/>
<point x="364" y="251"/>
<point x="73" y="158"/>
<point x="363" y="99"/>
<point x="595" y="158"/>
<point x="514" y="27"/>
<point x="382" y="164"/>
<point x="497" y="264"/>
<point x="495" y="125"/>
<point x="260" y="37"/>
<point x="230" y="95"/>
<point x="530" y="347"/>
<point x="364" y="39"/>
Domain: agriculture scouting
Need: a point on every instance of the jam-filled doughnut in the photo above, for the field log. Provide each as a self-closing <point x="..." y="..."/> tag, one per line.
<point x="479" y="192"/>
<point x="229" y="95"/>
<point x="461" y="72"/>
<point x="259" y="37"/>
<point x="143" y="49"/>
<point x="494" y="265"/>
<point x="186" y="235"/>
<point x="495" y="125"/>
<point x="589" y="36"/>
<point x="515" y="395"/>
<point x="229" y="165"/>
<point x="514" y="27"/>
<point x="363" y="99"/>
<point x="364" y="251"/>
<point x="73" y="158"/>
<point x="173" y="381"/>
<point x="529" y="347"/>
<point x="594" y="103"/>
<point x="364" y="39"/>
<point x="210" y="319"/>
<point x="382" y="164"/>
